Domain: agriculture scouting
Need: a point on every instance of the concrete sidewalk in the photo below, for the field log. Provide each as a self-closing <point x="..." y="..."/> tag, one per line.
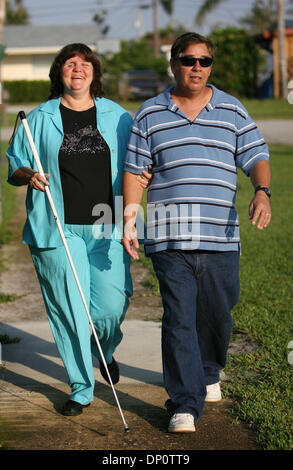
<point x="36" y="358"/>
<point x="277" y="131"/>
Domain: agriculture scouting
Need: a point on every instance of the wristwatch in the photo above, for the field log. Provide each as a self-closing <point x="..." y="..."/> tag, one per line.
<point x="263" y="188"/>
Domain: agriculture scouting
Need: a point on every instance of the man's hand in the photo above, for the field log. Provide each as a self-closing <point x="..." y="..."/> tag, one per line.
<point x="132" y="195"/>
<point x="260" y="210"/>
<point x="145" y="178"/>
<point x="260" y="207"/>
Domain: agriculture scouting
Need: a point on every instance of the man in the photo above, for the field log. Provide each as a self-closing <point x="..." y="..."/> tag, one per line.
<point x="195" y="137"/>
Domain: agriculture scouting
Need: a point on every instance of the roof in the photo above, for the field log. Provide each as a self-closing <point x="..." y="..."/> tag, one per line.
<point x="273" y="32"/>
<point x="19" y="36"/>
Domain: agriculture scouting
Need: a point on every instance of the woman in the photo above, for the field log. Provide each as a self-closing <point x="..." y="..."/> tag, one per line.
<point x="81" y="139"/>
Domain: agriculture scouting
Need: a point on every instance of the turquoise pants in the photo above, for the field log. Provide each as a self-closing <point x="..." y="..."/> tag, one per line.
<point x="103" y="269"/>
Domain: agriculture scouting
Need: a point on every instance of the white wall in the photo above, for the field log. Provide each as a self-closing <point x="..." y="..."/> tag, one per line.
<point x="26" y="67"/>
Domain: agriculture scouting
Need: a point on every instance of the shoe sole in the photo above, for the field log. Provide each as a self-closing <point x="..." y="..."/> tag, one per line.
<point x="213" y="399"/>
<point x="66" y="413"/>
<point x="181" y="430"/>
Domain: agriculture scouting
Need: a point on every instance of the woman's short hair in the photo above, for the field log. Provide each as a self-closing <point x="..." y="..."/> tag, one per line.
<point x="182" y="42"/>
<point x="66" y="53"/>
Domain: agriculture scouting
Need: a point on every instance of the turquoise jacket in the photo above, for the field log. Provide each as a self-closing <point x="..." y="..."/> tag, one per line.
<point x="45" y="123"/>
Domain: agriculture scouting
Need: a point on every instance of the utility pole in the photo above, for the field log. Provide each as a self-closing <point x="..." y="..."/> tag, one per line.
<point x="2" y="20"/>
<point x="156" y="32"/>
<point x="282" y="50"/>
<point x="139" y="19"/>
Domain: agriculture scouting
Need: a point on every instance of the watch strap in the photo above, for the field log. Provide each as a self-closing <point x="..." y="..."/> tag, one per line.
<point x="263" y="188"/>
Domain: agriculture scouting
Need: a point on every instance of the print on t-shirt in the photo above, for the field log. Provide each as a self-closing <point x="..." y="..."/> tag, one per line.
<point x="86" y="140"/>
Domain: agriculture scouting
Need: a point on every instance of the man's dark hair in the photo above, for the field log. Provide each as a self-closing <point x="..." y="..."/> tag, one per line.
<point x="183" y="41"/>
<point x="66" y="53"/>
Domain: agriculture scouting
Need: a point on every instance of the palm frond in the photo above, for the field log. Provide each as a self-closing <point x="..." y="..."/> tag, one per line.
<point x="205" y="8"/>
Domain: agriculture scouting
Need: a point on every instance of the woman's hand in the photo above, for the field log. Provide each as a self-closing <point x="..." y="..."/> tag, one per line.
<point x="37" y="181"/>
<point x="26" y="175"/>
<point x="145" y="178"/>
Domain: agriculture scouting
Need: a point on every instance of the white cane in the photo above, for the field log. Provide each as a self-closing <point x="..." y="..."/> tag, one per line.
<point x="40" y="170"/>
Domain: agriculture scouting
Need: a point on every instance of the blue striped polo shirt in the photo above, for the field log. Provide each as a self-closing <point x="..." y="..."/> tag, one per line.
<point x="191" y="198"/>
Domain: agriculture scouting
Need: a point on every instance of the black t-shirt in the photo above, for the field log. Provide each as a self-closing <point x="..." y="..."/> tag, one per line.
<point x="85" y="166"/>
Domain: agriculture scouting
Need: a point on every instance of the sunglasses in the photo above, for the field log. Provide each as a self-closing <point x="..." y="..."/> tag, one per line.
<point x="189" y="61"/>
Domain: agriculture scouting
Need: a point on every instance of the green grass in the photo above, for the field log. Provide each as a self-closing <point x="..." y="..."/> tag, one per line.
<point x="5" y="339"/>
<point x="259" y="109"/>
<point x="8" y="206"/>
<point x="8" y="200"/>
<point x="10" y="120"/>
<point x="268" y="108"/>
<point x="7" y="298"/>
<point x="261" y="382"/>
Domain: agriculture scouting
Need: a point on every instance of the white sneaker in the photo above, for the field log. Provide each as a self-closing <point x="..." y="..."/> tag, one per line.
<point x="181" y="422"/>
<point x="213" y="393"/>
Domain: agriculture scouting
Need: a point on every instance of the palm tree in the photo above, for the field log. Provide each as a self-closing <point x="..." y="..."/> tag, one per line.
<point x="17" y="13"/>
<point x="205" y="8"/>
<point x="208" y="5"/>
<point x="168" y="6"/>
<point x="263" y="16"/>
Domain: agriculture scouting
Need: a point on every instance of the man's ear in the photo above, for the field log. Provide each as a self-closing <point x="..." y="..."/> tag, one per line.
<point x="173" y="65"/>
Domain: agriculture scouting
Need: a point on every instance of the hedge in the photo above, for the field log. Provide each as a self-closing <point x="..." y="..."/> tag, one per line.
<point x="27" y="91"/>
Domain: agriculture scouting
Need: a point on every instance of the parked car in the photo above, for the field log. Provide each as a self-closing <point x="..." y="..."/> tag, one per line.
<point x="139" y="84"/>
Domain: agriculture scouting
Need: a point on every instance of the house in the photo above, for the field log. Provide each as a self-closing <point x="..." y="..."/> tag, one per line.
<point x="29" y="50"/>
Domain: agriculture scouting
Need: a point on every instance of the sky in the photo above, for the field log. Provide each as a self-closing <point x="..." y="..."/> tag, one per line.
<point x="123" y="15"/>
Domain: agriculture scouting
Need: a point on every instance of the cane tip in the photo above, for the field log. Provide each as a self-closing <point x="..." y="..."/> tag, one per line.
<point x="127" y="429"/>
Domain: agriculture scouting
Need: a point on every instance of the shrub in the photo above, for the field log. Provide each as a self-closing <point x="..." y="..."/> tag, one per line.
<point x="236" y="62"/>
<point x="27" y="91"/>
